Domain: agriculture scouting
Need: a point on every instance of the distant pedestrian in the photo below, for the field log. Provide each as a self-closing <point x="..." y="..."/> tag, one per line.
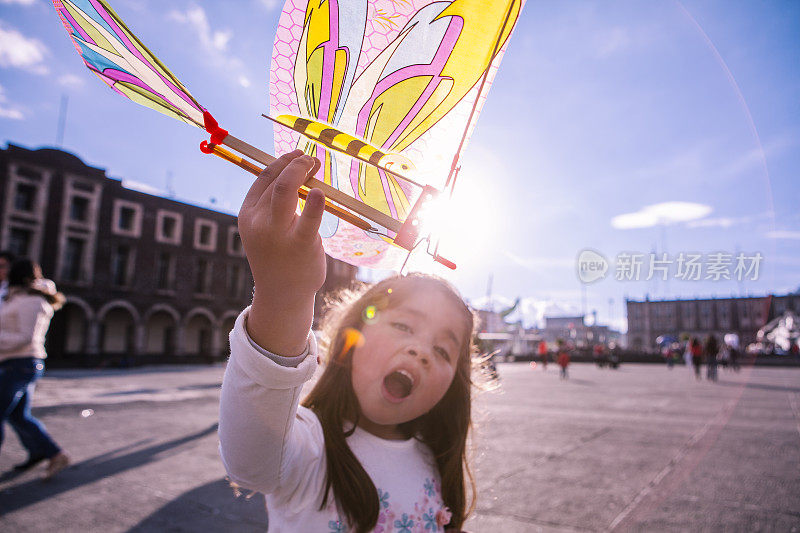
<point x="563" y="361"/>
<point x="711" y="351"/>
<point x="543" y="354"/>
<point x="599" y="355"/>
<point x="672" y="354"/>
<point x="687" y="353"/>
<point x="24" y="320"/>
<point x="724" y="355"/>
<point x="734" y="355"/>
<point x="697" y="355"/>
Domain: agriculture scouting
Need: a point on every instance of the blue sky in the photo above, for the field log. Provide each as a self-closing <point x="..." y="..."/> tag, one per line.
<point x="621" y="127"/>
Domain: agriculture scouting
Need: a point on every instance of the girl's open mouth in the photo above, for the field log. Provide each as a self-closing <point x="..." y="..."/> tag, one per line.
<point x="397" y="386"/>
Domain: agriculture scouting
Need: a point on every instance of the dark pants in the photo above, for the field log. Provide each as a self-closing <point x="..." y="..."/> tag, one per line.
<point x="696" y="362"/>
<point x="712" y="371"/>
<point x="17" y="382"/>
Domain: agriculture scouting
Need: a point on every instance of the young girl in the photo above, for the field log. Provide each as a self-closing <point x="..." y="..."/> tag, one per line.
<point x="379" y="444"/>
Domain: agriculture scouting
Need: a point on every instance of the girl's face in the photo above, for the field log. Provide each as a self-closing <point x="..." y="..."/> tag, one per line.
<point x="407" y="360"/>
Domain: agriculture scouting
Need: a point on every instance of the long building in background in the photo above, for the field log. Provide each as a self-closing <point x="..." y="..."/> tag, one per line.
<point x="147" y="279"/>
<point x="744" y="316"/>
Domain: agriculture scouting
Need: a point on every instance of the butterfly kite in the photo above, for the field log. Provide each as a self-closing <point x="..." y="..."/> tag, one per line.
<point x="385" y="93"/>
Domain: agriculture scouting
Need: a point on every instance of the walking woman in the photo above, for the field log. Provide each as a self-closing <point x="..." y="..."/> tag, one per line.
<point x="24" y="320"/>
<point x="711" y="351"/>
<point x="697" y="356"/>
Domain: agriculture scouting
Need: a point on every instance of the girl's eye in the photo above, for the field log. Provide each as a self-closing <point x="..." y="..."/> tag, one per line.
<point x="441" y="351"/>
<point x="401" y="326"/>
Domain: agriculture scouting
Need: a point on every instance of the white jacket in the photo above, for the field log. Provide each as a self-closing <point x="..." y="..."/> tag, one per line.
<point x="24" y="320"/>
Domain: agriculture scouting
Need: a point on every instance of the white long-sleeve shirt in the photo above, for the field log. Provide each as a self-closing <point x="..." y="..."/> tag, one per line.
<point x="24" y="320"/>
<point x="269" y="444"/>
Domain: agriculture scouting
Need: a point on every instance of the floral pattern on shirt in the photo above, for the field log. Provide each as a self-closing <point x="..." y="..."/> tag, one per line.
<point x="383" y="499"/>
<point x="425" y="518"/>
<point x="404" y="524"/>
<point x="429" y="488"/>
<point x="429" y="519"/>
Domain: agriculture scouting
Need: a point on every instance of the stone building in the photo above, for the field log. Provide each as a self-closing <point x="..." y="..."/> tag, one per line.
<point x="147" y="279"/>
<point x="574" y="329"/>
<point x="698" y="318"/>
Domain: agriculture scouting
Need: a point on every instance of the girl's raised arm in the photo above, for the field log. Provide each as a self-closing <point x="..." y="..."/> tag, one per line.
<point x="264" y="445"/>
<point x="285" y="254"/>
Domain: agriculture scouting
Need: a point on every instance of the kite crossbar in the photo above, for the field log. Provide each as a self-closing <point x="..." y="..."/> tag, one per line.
<point x="330" y="192"/>
<point x="217" y="150"/>
<point x="407" y="232"/>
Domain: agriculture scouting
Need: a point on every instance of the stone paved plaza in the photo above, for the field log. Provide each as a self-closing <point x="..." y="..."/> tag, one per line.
<point x="641" y="448"/>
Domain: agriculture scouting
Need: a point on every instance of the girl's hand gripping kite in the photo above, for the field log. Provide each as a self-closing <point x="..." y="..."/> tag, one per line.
<point x="384" y="92"/>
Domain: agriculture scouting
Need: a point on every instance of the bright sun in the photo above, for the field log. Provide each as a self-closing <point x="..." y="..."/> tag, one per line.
<point x="462" y="224"/>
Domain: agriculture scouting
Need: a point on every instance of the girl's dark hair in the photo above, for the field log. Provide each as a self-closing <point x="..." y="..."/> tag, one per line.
<point x="24" y="273"/>
<point x="444" y="429"/>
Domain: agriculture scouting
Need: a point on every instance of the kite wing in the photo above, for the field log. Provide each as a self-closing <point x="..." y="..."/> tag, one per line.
<point x="122" y="62"/>
<point x="403" y="81"/>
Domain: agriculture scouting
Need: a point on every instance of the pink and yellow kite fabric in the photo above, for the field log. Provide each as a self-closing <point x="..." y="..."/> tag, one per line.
<point x="122" y="62"/>
<point x="384" y="92"/>
<point x="402" y="81"/>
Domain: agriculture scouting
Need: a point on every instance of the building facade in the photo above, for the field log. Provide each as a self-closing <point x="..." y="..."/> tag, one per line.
<point x="573" y="329"/>
<point x="147" y="279"/>
<point x="744" y="316"/>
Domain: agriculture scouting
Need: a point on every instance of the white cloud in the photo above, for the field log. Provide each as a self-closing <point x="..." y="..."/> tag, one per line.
<point x="70" y="80"/>
<point x="663" y="213"/>
<point x="619" y="324"/>
<point x="537" y="263"/>
<point x="270" y="4"/>
<point x="142" y="187"/>
<point x="531" y="311"/>
<point x="496" y="302"/>
<point x="783" y="234"/>
<point x="212" y="40"/>
<point x="19" y="51"/>
<point x="9" y="111"/>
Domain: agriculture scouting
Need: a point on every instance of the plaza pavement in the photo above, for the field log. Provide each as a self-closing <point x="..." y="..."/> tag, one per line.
<point x="641" y="448"/>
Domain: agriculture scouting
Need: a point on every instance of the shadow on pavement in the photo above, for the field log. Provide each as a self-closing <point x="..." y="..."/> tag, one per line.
<point x="82" y="373"/>
<point x="109" y="464"/>
<point x="208" y="508"/>
<point x="760" y="386"/>
<point x="206" y="386"/>
<point x="129" y="392"/>
<point x="13" y="474"/>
